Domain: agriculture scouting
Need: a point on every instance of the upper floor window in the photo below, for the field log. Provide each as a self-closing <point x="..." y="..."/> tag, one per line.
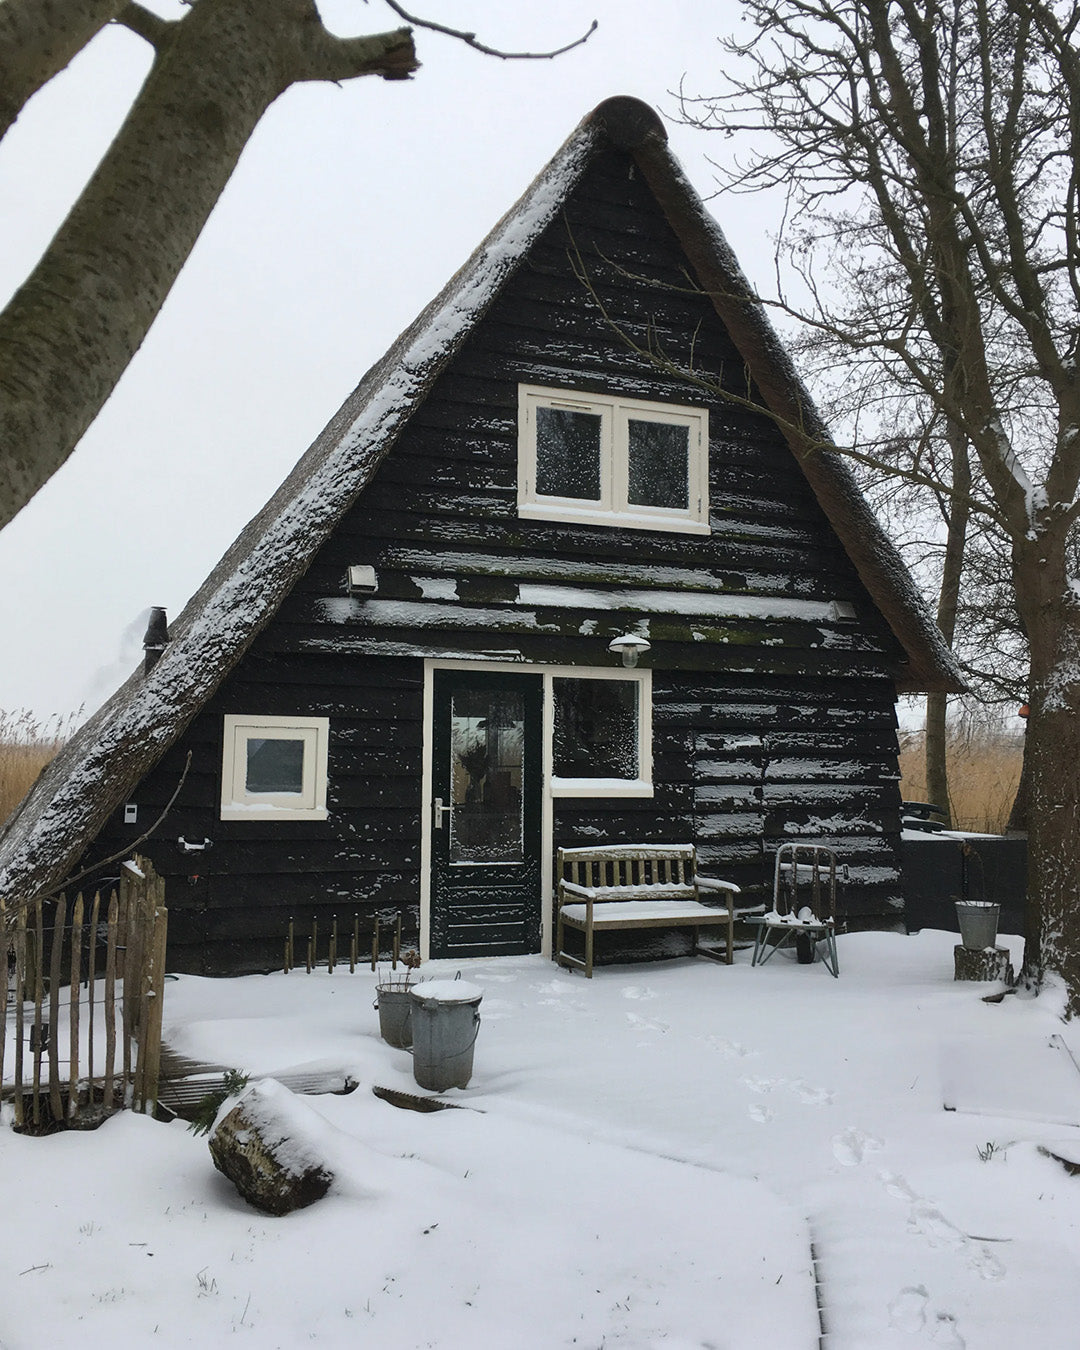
<point x="606" y="460"/>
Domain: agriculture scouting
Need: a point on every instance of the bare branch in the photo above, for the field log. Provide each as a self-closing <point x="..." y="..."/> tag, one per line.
<point x="143" y="21"/>
<point x="129" y="848"/>
<point x="324" y="56"/>
<point x="471" y="40"/>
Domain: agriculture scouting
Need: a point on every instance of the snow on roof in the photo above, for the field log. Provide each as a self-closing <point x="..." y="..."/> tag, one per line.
<point x="43" y="840"/>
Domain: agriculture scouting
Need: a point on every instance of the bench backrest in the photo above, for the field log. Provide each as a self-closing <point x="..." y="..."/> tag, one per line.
<point x="629" y="865"/>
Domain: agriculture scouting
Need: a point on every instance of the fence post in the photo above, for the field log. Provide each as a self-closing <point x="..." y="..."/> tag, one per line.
<point x="110" y="1000"/>
<point x="91" y="980"/>
<point x="37" y="944"/>
<point x="130" y="968"/>
<point x="20" y="1012"/>
<point x="144" y="985"/>
<point x="73" y="1009"/>
<point x="154" y="1007"/>
<point x="6" y="944"/>
<point x="55" y="953"/>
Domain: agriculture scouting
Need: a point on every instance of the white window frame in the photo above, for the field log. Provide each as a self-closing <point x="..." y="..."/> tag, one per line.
<point x="641" y="786"/>
<point x="613" y="508"/>
<point x="238" y="803"/>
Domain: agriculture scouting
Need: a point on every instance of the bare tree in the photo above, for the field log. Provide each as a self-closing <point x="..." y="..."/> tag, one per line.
<point x="930" y="152"/>
<point x="69" y="332"/>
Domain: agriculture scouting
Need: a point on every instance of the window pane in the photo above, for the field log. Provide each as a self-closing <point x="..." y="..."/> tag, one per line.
<point x="274" y="765"/>
<point x="659" y="464"/>
<point x="596" y="728"/>
<point x="568" y="454"/>
<point x="487" y="751"/>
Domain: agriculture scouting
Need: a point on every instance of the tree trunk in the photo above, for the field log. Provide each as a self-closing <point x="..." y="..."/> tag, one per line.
<point x="1018" y="816"/>
<point x="69" y="332"/>
<point x="37" y="40"/>
<point x="957" y="510"/>
<point x="1050" y="610"/>
<point x="937" y="780"/>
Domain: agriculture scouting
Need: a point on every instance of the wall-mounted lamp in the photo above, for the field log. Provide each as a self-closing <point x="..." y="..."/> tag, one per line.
<point x="362" y="580"/>
<point x="629" y="647"/>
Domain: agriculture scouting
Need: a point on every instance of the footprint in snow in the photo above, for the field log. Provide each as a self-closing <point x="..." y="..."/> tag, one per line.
<point x="931" y="1224"/>
<point x="761" y="1114"/>
<point x="897" y="1186"/>
<point x="851" y="1145"/>
<point x="812" y="1096"/>
<point x="763" y="1084"/>
<point x="732" y="1049"/>
<point x="907" y="1311"/>
<point x="986" y="1265"/>
<point x="639" y="991"/>
<point x="550" y="987"/>
<point x="945" y="1333"/>
<point x="645" y="1023"/>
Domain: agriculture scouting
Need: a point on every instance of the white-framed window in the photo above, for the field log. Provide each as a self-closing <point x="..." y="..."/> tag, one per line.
<point x="601" y="733"/>
<point x="606" y="460"/>
<point x="274" y="768"/>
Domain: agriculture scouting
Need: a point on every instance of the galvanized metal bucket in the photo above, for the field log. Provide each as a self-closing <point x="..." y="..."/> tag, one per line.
<point x="395" y="1014"/>
<point x="445" y="1024"/>
<point x="978" y="921"/>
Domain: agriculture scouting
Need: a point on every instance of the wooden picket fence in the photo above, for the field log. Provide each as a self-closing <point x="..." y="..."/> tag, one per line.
<point x="83" y="1056"/>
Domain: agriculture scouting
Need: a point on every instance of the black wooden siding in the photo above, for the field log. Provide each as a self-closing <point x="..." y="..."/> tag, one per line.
<point x="765" y="729"/>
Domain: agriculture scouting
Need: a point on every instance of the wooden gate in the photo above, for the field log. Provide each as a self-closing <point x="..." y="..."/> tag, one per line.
<point x="82" y="1002"/>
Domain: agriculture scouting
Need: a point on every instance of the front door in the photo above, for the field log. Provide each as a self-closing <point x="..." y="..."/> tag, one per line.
<point x="486" y="826"/>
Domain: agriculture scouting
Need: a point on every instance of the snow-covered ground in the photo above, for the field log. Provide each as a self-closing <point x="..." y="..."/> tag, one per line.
<point x="668" y="1156"/>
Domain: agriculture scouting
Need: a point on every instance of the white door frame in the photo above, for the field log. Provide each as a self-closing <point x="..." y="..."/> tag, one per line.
<point x="547" y="809"/>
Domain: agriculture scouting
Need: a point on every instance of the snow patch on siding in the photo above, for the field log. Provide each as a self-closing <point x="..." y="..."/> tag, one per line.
<point x="690" y="603"/>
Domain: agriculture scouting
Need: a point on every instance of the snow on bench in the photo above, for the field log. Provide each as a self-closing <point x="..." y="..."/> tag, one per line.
<point x="631" y="886"/>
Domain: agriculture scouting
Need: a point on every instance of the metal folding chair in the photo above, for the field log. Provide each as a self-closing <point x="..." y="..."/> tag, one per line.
<point x="803" y="915"/>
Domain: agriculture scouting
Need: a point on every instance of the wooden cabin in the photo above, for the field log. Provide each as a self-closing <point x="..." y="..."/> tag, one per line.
<point x="398" y="692"/>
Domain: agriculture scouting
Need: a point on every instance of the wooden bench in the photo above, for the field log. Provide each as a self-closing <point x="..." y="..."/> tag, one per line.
<point x="630" y="886"/>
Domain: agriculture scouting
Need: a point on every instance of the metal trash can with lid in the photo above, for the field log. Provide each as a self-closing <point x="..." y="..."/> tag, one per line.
<point x="445" y="1022"/>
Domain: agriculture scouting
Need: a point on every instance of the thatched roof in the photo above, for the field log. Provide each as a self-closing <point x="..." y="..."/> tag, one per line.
<point x="98" y="768"/>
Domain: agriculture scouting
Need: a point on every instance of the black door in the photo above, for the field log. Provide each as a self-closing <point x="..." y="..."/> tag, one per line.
<point x="485" y="838"/>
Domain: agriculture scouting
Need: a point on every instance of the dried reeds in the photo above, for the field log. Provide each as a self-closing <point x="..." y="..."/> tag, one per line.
<point x="27" y="744"/>
<point x="984" y="764"/>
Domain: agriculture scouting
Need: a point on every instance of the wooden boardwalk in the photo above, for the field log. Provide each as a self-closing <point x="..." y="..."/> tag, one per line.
<point x="184" y="1082"/>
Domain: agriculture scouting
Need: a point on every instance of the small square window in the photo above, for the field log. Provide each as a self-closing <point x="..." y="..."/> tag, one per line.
<point x="601" y="735"/>
<point x="274" y="767"/>
<point x="612" y="461"/>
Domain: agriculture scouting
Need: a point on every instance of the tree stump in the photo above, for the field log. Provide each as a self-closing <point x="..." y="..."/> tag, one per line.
<point x="266" y="1147"/>
<point x="986" y="963"/>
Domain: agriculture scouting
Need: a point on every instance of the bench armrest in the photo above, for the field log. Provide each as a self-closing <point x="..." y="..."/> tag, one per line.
<point x="714" y="884"/>
<point x="572" y="888"/>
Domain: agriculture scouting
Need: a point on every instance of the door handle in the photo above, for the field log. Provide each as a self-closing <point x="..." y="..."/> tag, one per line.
<point x="438" y="812"/>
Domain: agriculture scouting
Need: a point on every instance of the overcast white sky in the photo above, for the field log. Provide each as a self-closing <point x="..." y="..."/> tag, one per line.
<point x="349" y="210"/>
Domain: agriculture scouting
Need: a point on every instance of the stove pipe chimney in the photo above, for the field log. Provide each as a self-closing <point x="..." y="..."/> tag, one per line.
<point x="156" y="639"/>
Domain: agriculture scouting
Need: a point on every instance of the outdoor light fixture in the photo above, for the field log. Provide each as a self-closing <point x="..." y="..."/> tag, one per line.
<point x="629" y="647"/>
<point x="362" y="580"/>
